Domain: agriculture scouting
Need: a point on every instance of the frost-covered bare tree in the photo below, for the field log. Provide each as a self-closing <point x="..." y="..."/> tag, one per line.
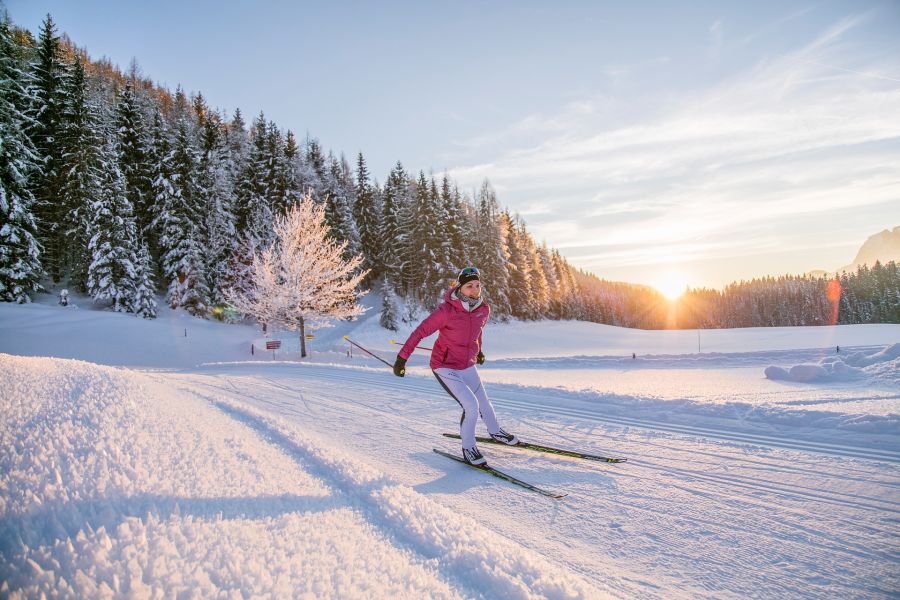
<point x="302" y="278"/>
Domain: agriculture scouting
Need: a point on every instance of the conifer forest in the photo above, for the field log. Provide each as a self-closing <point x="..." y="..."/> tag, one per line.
<point x="130" y="193"/>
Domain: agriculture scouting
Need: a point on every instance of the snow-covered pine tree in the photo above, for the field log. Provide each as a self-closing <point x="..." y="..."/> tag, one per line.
<point x="82" y="177"/>
<point x="554" y="310"/>
<point x="200" y="112"/>
<point x="492" y="252"/>
<point x="291" y="169"/>
<point x="394" y="238"/>
<point x="444" y="251"/>
<point x="892" y="296"/>
<point x="389" y="309"/>
<point x="519" y="271"/>
<point x="540" y="291"/>
<point x="275" y="171"/>
<point x="458" y="253"/>
<point x="20" y="266"/>
<point x="253" y="211"/>
<point x="417" y="260"/>
<point x="427" y="262"/>
<point x="159" y="157"/>
<point x="302" y="278"/>
<point x="180" y="110"/>
<point x="133" y="157"/>
<point x="468" y="219"/>
<point x="182" y="234"/>
<point x="50" y="75"/>
<point x="144" y="301"/>
<point x="317" y="163"/>
<point x="112" y="275"/>
<point x="248" y="181"/>
<point x="238" y="143"/>
<point x="339" y="191"/>
<point x="308" y="181"/>
<point x="216" y="198"/>
<point x="571" y="306"/>
<point x="368" y="219"/>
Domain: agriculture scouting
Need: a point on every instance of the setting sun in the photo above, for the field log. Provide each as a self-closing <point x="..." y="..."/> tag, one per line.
<point x="671" y="284"/>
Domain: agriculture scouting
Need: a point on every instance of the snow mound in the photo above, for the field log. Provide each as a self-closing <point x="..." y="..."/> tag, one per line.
<point x="883" y="364"/>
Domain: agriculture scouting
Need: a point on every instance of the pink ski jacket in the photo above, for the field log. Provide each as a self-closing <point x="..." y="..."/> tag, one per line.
<point x="459" y="337"/>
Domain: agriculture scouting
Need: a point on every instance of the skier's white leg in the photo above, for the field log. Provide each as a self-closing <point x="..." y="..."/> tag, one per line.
<point x="454" y="385"/>
<point x="485" y="408"/>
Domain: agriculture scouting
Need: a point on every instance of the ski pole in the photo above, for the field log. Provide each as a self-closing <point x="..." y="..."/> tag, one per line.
<point x="419" y="347"/>
<point x="369" y="353"/>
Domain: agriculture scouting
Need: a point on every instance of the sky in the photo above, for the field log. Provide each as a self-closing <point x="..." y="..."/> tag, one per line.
<point x="664" y="143"/>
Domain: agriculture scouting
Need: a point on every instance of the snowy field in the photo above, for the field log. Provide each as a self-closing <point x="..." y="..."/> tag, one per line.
<point x="161" y="459"/>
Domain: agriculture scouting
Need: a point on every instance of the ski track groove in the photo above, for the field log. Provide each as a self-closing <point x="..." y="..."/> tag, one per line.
<point x="728" y="436"/>
<point x="713" y="493"/>
<point x="353" y="498"/>
<point x="795" y="466"/>
<point x="750" y="500"/>
<point x="785" y="489"/>
<point x="859" y="550"/>
<point x="735" y="437"/>
<point x="708" y="485"/>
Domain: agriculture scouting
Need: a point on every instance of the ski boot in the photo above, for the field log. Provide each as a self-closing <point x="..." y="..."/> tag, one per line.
<point x="474" y="457"/>
<point x="505" y="438"/>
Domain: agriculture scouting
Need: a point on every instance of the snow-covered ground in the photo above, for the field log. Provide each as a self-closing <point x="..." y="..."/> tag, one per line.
<point x="157" y="464"/>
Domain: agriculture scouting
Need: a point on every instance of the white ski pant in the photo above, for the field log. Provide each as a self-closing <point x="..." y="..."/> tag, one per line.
<point x="465" y="387"/>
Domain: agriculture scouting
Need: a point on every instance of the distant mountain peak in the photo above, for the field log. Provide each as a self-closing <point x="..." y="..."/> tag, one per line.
<point x="882" y="246"/>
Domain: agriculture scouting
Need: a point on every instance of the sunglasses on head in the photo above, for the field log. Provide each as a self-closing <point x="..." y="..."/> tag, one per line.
<point x="468" y="271"/>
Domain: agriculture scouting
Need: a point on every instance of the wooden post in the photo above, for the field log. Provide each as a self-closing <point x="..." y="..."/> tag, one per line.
<point x="302" y="338"/>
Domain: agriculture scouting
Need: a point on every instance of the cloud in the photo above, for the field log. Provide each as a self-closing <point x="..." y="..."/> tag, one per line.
<point x="773" y="26"/>
<point x="789" y="138"/>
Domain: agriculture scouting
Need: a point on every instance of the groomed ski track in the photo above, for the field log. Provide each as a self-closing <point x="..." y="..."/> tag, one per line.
<point x="735" y="513"/>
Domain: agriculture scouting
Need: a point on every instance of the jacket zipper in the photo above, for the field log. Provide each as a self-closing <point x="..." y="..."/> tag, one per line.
<point x="469" y="339"/>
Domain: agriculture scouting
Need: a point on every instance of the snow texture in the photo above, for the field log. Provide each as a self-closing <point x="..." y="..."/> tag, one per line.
<point x="114" y="485"/>
<point x="193" y="468"/>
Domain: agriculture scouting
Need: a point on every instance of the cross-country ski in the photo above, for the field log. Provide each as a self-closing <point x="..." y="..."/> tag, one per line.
<point x="501" y="475"/>
<point x="545" y="449"/>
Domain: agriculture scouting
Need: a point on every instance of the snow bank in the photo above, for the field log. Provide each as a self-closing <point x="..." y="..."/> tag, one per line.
<point x="110" y="488"/>
<point x="882" y="364"/>
<point x="113" y="485"/>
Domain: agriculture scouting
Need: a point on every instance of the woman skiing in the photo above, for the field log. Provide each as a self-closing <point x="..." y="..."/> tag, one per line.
<point x="459" y="319"/>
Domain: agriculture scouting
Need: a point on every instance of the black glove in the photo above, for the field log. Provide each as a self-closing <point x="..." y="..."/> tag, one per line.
<point x="400" y="367"/>
<point x="480" y="358"/>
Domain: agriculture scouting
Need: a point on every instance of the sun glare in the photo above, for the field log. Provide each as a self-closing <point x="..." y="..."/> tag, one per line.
<point x="671" y="284"/>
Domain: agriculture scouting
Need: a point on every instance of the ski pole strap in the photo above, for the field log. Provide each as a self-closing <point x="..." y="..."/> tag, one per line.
<point x="369" y="353"/>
